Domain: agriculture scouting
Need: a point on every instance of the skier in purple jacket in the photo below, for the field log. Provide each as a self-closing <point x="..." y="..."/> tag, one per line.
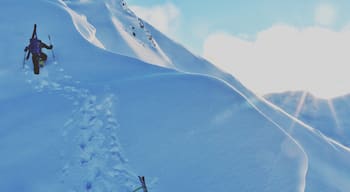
<point x="38" y="57"/>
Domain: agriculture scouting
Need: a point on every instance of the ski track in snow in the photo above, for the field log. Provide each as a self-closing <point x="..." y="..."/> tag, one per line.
<point x="97" y="152"/>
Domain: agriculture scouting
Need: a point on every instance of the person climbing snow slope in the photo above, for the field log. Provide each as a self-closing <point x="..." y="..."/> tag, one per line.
<point x="34" y="47"/>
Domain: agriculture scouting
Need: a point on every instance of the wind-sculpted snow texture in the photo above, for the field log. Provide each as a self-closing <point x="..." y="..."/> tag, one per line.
<point x="100" y="114"/>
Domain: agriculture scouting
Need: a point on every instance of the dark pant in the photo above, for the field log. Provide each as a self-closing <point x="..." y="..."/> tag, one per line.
<point x="35" y="59"/>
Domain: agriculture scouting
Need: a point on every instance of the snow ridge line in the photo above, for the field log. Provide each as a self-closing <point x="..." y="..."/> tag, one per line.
<point x="96" y="162"/>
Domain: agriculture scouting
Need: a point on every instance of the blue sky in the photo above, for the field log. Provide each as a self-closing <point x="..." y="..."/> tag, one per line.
<point x="242" y="17"/>
<point x="308" y="37"/>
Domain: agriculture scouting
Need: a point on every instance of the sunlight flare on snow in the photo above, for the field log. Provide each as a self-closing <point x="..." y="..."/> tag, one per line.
<point x="313" y="59"/>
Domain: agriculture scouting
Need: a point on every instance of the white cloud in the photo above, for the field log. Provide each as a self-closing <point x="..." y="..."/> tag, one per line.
<point x="286" y="58"/>
<point x="325" y="14"/>
<point x="165" y="17"/>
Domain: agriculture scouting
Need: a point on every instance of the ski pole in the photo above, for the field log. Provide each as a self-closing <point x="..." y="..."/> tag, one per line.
<point x="137" y="189"/>
<point x="53" y="54"/>
<point x="24" y="59"/>
<point x="143" y="183"/>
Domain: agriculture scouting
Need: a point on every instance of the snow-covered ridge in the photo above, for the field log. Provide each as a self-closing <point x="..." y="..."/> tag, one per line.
<point x="119" y="29"/>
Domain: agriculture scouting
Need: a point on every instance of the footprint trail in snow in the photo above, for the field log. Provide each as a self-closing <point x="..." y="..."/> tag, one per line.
<point x="95" y="161"/>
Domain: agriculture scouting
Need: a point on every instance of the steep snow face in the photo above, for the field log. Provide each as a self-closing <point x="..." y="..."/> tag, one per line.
<point x="94" y="120"/>
<point x="121" y="31"/>
<point x="328" y="116"/>
<point x="111" y="25"/>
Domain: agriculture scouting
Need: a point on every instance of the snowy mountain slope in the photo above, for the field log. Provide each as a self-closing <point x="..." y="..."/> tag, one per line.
<point x="68" y="137"/>
<point x="112" y="26"/>
<point x="116" y="26"/>
<point x="285" y="122"/>
<point x="328" y="162"/>
<point x="208" y="137"/>
<point x="96" y="120"/>
<point x="298" y="130"/>
<point x="328" y="116"/>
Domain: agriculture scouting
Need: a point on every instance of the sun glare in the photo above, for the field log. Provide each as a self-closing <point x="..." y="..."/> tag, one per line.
<point x="325" y="14"/>
<point x="335" y="117"/>
<point x="285" y="58"/>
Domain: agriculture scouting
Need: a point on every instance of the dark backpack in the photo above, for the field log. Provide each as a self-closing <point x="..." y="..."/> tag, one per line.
<point x="34" y="46"/>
